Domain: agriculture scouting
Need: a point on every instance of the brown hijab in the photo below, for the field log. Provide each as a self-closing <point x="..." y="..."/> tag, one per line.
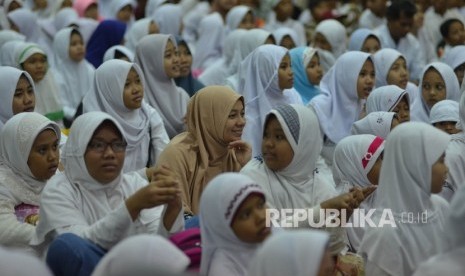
<point x="199" y="154"/>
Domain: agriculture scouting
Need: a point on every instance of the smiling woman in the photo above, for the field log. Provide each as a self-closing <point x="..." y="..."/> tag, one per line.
<point x="29" y="146"/>
<point x="211" y="145"/>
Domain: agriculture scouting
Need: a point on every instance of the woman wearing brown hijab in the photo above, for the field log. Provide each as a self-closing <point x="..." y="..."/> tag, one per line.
<point x="211" y="145"/>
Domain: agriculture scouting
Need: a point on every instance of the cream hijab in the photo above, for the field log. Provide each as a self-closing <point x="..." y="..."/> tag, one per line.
<point x="420" y="110"/>
<point x="219" y="203"/>
<point x="9" y="77"/>
<point x="297" y="253"/>
<point x="405" y="186"/>
<point x="337" y="106"/>
<point x="375" y="123"/>
<point x="161" y="92"/>
<point x="17" y="137"/>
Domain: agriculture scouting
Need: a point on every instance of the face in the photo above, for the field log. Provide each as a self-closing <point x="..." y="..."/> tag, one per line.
<point x="287" y="42"/>
<point x="447" y="126"/>
<point x="248" y="22"/>
<point x="459" y="72"/>
<point x="402" y="110"/>
<point x="36" y="66"/>
<point x="92" y="11"/>
<point x="327" y="265"/>
<point x="185" y="60"/>
<point x="133" y="92"/>
<point x="373" y="174"/>
<point x="371" y="45"/>
<point x="77" y="51"/>
<point x="24" y="99"/>
<point x="395" y="121"/>
<point x="44" y="156"/>
<point x="249" y="222"/>
<point x="171" y="60"/>
<point x="284" y="10"/>
<point x="433" y="88"/>
<point x="398" y="73"/>
<point x="400" y="27"/>
<point x="276" y="150"/>
<point x="104" y="162"/>
<point x="235" y="123"/>
<point x="438" y="175"/>
<point x="124" y="14"/>
<point x="366" y="80"/>
<point x="321" y="42"/>
<point x="456" y="34"/>
<point x="314" y="71"/>
<point x="285" y="74"/>
<point x="378" y="7"/>
<point x="13" y="6"/>
<point x="153" y="28"/>
<point x="40" y="4"/>
<point x="67" y="4"/>
<point x="270" y="40"/>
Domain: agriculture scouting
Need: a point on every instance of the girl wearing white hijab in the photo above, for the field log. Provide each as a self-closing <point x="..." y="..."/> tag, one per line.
<point x="169" y="19"/>
<point x="118" y="90"/>
<point x="7" y="53"/>
<point x="9" y="35"/>
<point x="31" y="58"/>
<point x="330" y="35"/>
<point x="143" y="255"/>
<point x="94" y="200"/>
<point x="412" y="171"/>
<point x="265" y="80"/>
<point x="29" y="147"/>
<point x="74" y="74"/>
<point x="230" y="236"/>
<point x="364" y="40"/>
<point x="290" y="176"/>
<point x="246" y="44"/>
<point x="438" y="82"/>
<point x="344" y="89"/>
<point x="240" y="17"/>
<point x="42" y="11"/>
<point x="454" y="158"/>
<point x="445" y="115"/>
<point x="17" y="93"/>
<point x="121" y="10"/>
<point x="155" y="54"/>
<point x="278" y="17"/>
<point x="390" y="98"/>
<point x="217" y="73"/>
<point x="118" y="52"/>
<point x="379" y="123"/>
<point x="138" y="30"/>
<point x="298" y="253"/>
<point x="66" y="17"/>
<point x="391" y="69"/>
<point x="357" y="163"/>
<point x="455" y="58"/>
<point x="286" y="37"/>
<point x="450" y="261"/>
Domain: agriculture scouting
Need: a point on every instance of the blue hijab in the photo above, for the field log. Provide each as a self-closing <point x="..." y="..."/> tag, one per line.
<point x="108" y="33"/>
<point x="301" y="83"/>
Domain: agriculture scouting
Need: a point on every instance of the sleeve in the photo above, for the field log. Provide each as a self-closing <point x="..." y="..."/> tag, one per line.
<point x="155" y="224"/>
<point x="418" y="62"/>
<point x="221" y="265"/>
<point x="13" y="232"/>
<point x="455" y="163"/>
<point x="159" y="137"/>
<point x="68" y="108"/>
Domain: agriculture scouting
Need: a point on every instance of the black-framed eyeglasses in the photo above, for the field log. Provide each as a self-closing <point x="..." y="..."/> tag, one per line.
<point x="101" y="146"/>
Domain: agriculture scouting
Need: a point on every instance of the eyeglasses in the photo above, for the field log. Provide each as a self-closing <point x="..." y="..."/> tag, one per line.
<point x="100" y="146"/>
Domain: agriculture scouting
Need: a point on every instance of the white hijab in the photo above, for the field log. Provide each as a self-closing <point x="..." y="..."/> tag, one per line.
<point x="405" y="186"/>
<point x="300" y="184"/>
<point x="17" y="137"/>
<point x="138" y="30"/>
<point x="20" y="263"/>
<point x="358" y="38"/>
<point x="235" y="17"/>
<point x="7" y="53"/>
<point x="444" y="111"/>
<point x="9" y="77"/>
<point x="142" y="255"/>
<point x="64" y="18"/>
<point x="385" y="98"/>
<point x="219" y="203"/>
<point x="9" y="35"/>
<point x="75" y="77"/>
<point x="106" y="95"/>
<point x="48" y="101"/>
<point x="335" y="34"/>
<point x="280" y="33"/>
<point x="454" y="58"/>
<point x="354" y="157"/>
<point x="152" y="6"/>
<point x="111" y="53"/>
<point x="258" y="83"/>
<point x="169" y="19"/>
<point x="161" y="92"/>
<point x="420" y="110"/>
<point x="297" y="253"/>
<point x="209" y="46"/>
<point x="375" y="123"/>
<point x="337" y="106"/>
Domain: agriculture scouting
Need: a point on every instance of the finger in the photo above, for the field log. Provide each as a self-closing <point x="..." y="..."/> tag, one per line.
<point x="166" y="191"/>
<point x="166" y="183"/>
